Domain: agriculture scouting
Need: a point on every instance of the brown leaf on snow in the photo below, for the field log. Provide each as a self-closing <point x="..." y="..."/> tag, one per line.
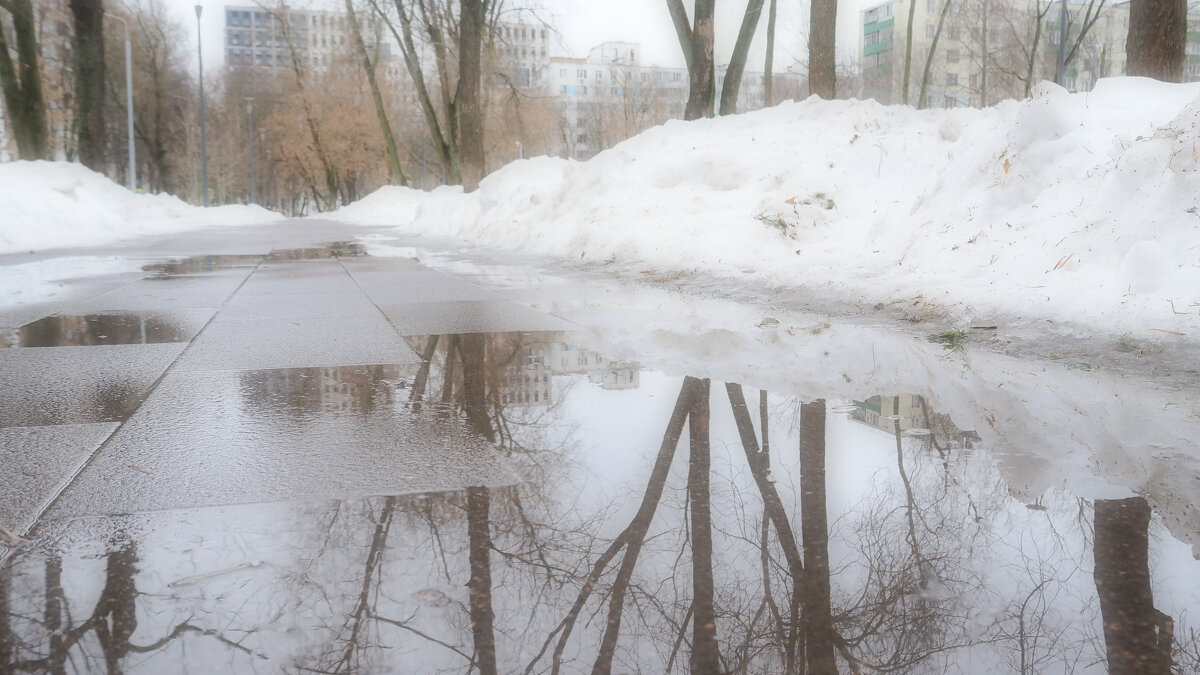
<point x="1007" y="165"/>
<point x="1064" y="260"/>
<point x="649" y="271"/>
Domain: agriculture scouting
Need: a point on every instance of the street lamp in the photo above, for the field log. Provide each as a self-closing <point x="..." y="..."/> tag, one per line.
<point x="203" y="140"/>
<point x="250" y="134"/>
<point x="128" y="103"/>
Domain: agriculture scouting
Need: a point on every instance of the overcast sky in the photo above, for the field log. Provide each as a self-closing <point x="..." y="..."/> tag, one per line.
<point x="585" y="23"/>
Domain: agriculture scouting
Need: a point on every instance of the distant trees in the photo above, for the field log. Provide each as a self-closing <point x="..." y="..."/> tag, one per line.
<point x="1157" y="39"/>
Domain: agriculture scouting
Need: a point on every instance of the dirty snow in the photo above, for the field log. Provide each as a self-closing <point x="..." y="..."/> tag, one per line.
<point x="1074" y="207"/>
<point x="45" y="205"/>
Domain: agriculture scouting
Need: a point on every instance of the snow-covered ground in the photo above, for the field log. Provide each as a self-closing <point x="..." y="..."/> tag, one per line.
<point x="46" y="205"/>
<point x="1073" y="207"/>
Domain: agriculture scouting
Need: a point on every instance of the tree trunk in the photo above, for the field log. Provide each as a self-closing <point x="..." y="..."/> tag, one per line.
<point x="385" y="127"/>
<point x="912" y="11"/>
<point x="1033" y="49"/>
<point x="937" y="34"/>
<point x="701" y="89"/>
<point x="479" y="588"/>
<point x="822" y="66"/>
<point x="814" y="530"/>
<point x="683" y="30"/>
<point x="1138" y="637"/>
<point x="983" y="58"/>
<point x="22" y="85"/>
<point x="1157" y="39"/>
<point x="90" y="132"/>
<point x="737" y="62"/>
<point x="470" y="46"/>
<point x="706" y="656"/>
<point x="769" y="63"/>
<point x="473" y="350"/>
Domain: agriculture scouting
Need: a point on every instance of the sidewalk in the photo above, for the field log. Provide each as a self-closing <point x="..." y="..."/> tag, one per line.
<point x="230" y="378"/>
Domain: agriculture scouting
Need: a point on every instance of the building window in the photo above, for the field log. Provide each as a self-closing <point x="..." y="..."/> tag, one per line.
<point x="599" y="75"/>
<point x="581" y="74"/>
<point x="952" y="55"/>
<point x="562" y="72"/>
<point x="951" y="79"/>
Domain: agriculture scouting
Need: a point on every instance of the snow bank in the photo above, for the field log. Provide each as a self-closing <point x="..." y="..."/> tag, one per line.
<point x="56" y="204"/>
<point x="1080" y="207"/>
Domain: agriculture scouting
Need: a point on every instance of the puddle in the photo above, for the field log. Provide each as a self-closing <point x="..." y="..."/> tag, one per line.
<point x="117" y="328"/>
<point x="661" y="523"/>
<point x="200" y="264"/>
<point x="338" y="249"/>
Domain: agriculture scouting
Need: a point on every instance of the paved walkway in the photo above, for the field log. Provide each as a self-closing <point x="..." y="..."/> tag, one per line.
<point x="240" y="366"/>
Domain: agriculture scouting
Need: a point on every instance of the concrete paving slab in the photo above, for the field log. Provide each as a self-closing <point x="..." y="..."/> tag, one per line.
<point x="219" y="438"/>
<point x="298" y="306"/>
<point x="301" y="342"/>
<point x="168" y="293"/>
<point x="72" y="385"/>
<point x="391" y="288"/>
<point x="110" y="328"/>
<point x="37" y="463"/>
<point x="299" y="279"/>
<point x="469" y="317"/>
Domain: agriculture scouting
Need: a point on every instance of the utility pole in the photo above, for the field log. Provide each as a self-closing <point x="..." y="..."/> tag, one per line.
<point x="132" y="151"/>
<point x="250" y="133"/>
<point x="203" y="139"/>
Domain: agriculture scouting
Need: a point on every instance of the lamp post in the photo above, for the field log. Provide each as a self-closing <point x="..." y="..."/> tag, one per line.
<point x="128" y="103"/>
<point x="203" y="139"/>
<point x="250" y="134"/>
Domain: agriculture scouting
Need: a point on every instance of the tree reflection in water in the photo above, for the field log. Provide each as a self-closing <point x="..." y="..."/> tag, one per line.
<point x="704" y="569"/>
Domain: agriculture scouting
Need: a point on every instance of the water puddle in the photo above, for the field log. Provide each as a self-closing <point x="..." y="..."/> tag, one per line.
<point x="337" y="249"/>
<point x="116" y="328"/>
<point x="199" y="264"/>
<point x="661" y="523"/>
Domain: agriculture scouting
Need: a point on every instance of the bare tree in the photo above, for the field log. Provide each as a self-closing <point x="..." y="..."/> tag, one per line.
<point x="473" y="16"/>
<point x="22" y="84"/>
<point x="769" y="61"/>
<point x="822" y="65"/>
<point x="385" y="127"/>
<point x="923" y="100"/>
<point x="88" y="16"/>
<point x="1157" y="39"/>
<point x="737" y="62"/>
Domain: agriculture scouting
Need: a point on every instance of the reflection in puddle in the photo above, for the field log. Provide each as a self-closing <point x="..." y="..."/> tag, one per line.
<point x="199" y="264"/>
<point x="337" y="249"/>
<point x="100" y="329"/>
<point x="665" y="524"/>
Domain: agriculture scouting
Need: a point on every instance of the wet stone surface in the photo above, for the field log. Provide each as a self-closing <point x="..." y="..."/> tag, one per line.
<point x="73" y="385"/>
<point x="37" y="462"/>
<point x="430" y="483"/>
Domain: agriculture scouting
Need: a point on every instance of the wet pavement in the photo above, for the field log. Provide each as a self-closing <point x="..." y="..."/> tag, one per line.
<point x="315" y="448"/>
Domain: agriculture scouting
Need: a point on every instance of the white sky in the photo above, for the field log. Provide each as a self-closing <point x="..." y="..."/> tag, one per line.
<point x="585" y="23"/>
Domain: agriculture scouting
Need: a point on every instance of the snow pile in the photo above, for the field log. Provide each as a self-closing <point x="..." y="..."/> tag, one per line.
<point x="1081" y="207"/>
<point x="56" y="204"/>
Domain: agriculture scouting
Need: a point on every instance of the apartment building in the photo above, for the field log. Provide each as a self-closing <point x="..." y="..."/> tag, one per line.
<point x="1004" y="30"/>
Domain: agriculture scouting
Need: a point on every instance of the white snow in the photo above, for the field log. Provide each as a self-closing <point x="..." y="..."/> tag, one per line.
<point x="47" y="205"/>
<point x="1073" y="207"/>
